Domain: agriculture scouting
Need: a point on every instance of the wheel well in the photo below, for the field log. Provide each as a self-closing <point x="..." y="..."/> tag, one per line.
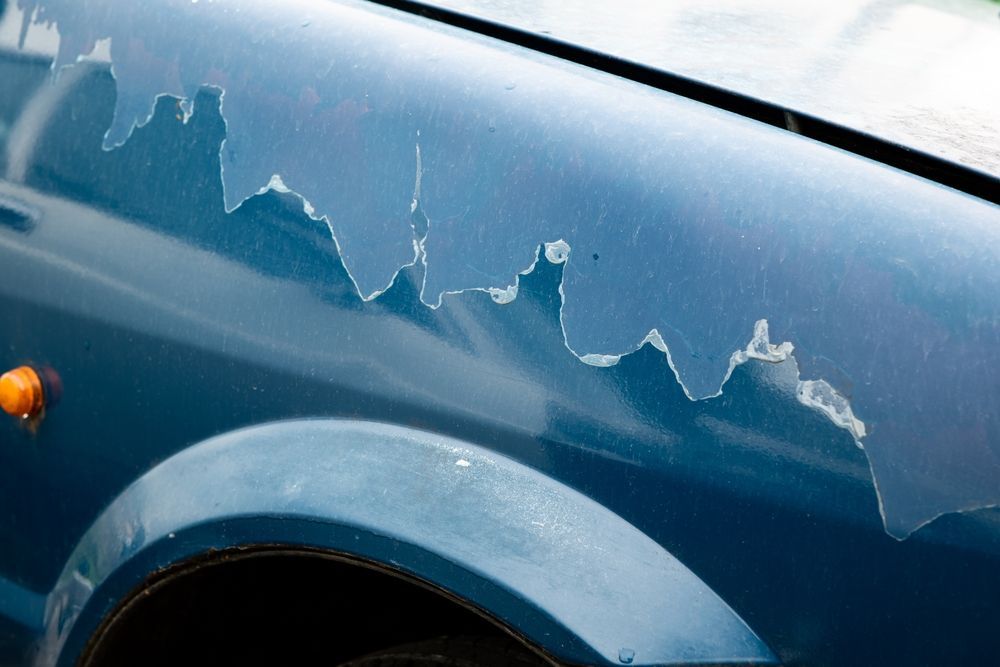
<point x="277" y="605"/>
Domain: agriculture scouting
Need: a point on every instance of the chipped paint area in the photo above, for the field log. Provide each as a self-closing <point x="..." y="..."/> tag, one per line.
<point x="700" y="233"/>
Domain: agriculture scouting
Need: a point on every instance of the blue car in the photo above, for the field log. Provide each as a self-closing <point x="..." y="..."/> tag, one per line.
<point x="469" y="332"/>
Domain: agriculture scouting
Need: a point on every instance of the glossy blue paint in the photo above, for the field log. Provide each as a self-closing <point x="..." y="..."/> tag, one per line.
<point x="23" y="607"/>
<point x="479" y="525"/>
<point x="171" y="320"/>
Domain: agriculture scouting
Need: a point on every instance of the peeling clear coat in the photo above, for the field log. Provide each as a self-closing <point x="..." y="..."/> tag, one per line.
<point x="697" y="249"/>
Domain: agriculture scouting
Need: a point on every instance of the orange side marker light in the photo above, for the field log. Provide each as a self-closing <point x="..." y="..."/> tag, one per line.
<point x="21" y="392"/>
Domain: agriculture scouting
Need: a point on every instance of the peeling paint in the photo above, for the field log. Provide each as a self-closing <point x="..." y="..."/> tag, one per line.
<point x="816" y="394"/>
<point x="676" y="225"/>
<point x="557" y="252"/>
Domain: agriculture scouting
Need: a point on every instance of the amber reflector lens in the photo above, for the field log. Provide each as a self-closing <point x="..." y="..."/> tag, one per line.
<point x="21" y="392"/>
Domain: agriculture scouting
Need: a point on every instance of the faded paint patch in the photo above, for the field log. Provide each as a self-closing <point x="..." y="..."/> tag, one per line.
<point x="676" y="225"/>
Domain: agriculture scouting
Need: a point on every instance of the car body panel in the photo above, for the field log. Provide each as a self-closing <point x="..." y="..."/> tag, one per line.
<point x="175" y="310"/>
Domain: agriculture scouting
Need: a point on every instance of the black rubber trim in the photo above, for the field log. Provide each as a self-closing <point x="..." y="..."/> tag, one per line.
<point x="952" y="174"/>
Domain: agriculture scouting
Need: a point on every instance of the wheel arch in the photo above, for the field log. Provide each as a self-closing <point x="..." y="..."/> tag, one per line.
<point x="545" y="561"/>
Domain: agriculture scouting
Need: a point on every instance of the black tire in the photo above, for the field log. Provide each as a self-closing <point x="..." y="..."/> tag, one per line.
<point x="453" y="652"/>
